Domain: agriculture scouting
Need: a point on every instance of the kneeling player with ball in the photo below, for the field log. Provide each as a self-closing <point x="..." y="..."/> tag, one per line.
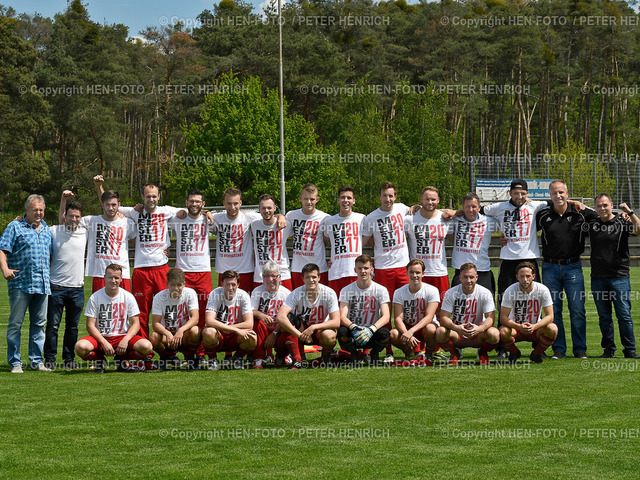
<point x="113" y="326"/>
<point x="228" y="322"/>
<point x="414" y="308"/>
<point x="467" y="316"/>
<point x="310" y="314"/>
<point x="175" y="315"/>
<point x="527" y="315"/>
<point x="364" y="314"/>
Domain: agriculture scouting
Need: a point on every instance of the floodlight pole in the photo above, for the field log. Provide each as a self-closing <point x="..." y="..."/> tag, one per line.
<point x="282" y="183"/>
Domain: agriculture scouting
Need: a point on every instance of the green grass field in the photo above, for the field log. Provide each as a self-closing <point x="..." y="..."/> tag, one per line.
<point x="562" y="419"/>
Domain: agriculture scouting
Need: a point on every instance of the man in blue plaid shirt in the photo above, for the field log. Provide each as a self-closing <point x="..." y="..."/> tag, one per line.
<point x="25" y="251"/>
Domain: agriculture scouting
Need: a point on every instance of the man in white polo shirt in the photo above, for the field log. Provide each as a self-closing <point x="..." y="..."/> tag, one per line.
<point x="67" y="284"/>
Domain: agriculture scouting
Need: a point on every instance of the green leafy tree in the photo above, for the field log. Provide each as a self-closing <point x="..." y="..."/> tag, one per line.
<point x="236" y="144"/>
<point x="23" y="116"/>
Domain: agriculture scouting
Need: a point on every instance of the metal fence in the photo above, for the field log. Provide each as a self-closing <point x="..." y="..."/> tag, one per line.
<point x="585" y="175"/>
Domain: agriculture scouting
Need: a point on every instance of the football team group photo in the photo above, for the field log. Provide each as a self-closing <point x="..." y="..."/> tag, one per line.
<point x="311" y="290"/>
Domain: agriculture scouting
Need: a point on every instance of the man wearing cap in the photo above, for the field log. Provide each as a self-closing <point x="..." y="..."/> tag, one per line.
<point x="517" y="222"/>
<point x="564" y="230"/>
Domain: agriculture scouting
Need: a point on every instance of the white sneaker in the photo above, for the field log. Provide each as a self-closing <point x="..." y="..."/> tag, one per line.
<point x="213" y="364"/>
<point x="388" y="359"/>
<point x="16" y="369"/>
<point x="40" y="368"/>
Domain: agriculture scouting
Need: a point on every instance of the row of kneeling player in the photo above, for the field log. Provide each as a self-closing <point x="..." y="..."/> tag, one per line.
<point x="275" y="319"/>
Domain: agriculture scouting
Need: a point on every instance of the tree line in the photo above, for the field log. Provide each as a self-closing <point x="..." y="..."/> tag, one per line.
<point x="373" y="92"/>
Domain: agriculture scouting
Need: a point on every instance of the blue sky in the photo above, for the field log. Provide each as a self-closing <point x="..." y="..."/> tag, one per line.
<point x="136" y="14"/>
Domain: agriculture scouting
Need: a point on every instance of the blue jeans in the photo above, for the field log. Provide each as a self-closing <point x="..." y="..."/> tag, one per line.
<point x="19" y="301"/>
<point x="616" y="291"/>
<point x="71" y="298"/>
<point x="570" y="279"/>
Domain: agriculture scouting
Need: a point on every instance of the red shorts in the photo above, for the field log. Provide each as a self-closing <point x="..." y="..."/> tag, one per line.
<point x="468" y="343"/>
<point x="201" y="283"/>
<point x="228" y="342"/>
<point x="246" y="282"/>
<point x="441" y="283"/>
<point x="262" y="332"/>
<point x="147" y="281"/>
<point x="391" y="278"/>
<point x="521" y="337"/>
<point x="315" y="337"/>
<point x="340" y="283"/>
<point x="113" y="341"/>
<point x="298" y="281"/>
<point x="419" y="334"/>
<point x="98" y="283"/>
<point x="285" y="283"/>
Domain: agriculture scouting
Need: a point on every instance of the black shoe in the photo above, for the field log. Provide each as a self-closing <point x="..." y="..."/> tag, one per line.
<point x="535" y="357"/>
<point x="123" y="365"/>
<point x="558" y="356"/>
<point x="201" y="362"/>
<point x="514" y="356"/>
<point x="631" y="355"/>
<point x="295" y="366"/>
<point x="581" y="355"/>
<point x="502" y="355"/>
<point x="366" y="359"/>
<point x="50" y="365"/>
<point x="608" y="354"/>
<point x="100" y="366"/>
<point x="190" y="361"/>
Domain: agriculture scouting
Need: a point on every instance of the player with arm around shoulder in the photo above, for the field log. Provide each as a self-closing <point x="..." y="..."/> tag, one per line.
<point x="228" y="321"/>
<point x="414" y="309"/>
<point x="467" y="316"/>
<point x="364" y="314"/>
<point x="266" y="301"/>
<point x="311" y="315"/>
<point x="175" y="316"/>
<point x="526" y="315"/>
<point x="113" y="326"/>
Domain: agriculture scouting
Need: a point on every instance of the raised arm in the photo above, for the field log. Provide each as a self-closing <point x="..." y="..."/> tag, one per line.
<point x="66" y="195"/>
